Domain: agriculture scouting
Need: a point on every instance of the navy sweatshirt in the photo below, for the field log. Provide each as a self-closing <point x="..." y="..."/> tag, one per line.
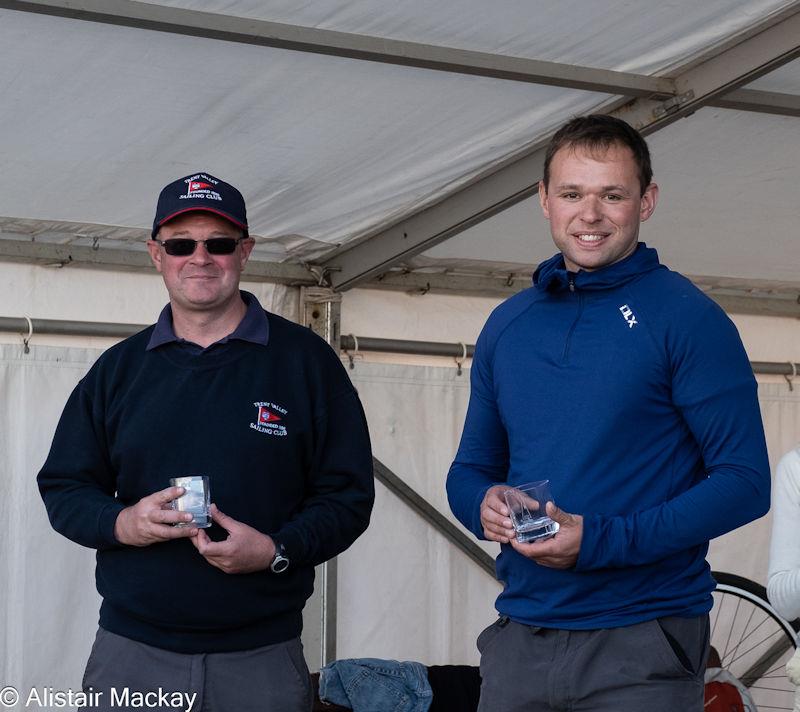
<point x="631" y="392"/>
<point x="281" y="433"/>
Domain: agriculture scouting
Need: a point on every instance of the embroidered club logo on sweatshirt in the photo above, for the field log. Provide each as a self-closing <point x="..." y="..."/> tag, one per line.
<point x="268" y="419"/>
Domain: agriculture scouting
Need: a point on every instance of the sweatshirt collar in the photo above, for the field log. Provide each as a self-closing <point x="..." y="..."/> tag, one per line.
<point x="552" y="274"/>
<point x="254" y="326"/>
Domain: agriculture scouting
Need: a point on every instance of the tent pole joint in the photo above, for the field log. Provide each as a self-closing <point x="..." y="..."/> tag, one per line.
<point x="673" y="104"/>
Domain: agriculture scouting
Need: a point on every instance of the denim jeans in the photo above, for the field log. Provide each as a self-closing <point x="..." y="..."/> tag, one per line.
<point x="373" y="685"/>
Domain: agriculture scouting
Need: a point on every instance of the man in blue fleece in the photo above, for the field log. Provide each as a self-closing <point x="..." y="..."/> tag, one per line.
<point x="626" y="387"/>
<point x="222" y="388"/>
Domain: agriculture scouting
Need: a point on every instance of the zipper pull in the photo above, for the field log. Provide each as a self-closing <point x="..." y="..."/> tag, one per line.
<point x="571" y="285"/>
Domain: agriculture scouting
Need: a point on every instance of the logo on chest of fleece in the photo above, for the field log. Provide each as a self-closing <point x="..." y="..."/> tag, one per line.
<point x="628" y="315"/>
<point x="268" y="419"/>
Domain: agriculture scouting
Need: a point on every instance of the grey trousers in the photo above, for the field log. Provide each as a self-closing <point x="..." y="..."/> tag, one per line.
<point x="655" y="666"/>
<point x="123" y="674"/>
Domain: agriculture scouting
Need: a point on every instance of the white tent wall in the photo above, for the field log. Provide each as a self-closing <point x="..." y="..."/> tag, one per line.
<point x="48" y="606"/>
<point x="48" y="602"/>
<point x="331" y="150"/>
<point x="404" y="591"/>
<point x="408" y="593"/>
<point x="453" y="319"/>
<point x="118" y="297"/>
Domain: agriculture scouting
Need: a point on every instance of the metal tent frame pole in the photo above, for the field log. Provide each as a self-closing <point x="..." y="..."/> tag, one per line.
<point x="59" y="327"/>
<point x="354" y="344"/>
<point x="348" y="342"/>
<point x="395" y="484"/>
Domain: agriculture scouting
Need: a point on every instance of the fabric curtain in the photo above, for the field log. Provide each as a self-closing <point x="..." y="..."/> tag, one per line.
<point x="404" y="591"/>
<point x="48" y="603"/>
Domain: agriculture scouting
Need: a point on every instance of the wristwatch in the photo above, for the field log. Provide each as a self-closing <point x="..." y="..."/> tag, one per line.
<point x="281" y="562"/>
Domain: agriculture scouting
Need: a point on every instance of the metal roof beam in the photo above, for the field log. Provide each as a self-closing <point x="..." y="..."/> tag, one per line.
<point x="461" y="210"/>
<point x="735" y="296"/>
<point x="468" y="285"/>
<point x="753" y="53"/>
<point x="762" y="102"/>
<point x="20" y="248"/>
<point x="130" y="13"/>
<point x="717" y="74"/>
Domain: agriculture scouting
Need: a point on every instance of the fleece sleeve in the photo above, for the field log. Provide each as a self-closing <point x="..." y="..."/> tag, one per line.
<point x="715" y="394"/>
<point x="76" y="481"/>
<point x="483" y="456"/>
<point x="783" y="586"/>
<point x="340" y="490"/>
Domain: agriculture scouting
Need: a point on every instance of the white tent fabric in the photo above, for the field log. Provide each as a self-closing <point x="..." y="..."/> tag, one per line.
<point x="404" y="591"/>
<point x="98" y="117"/>
<point x="120" y="298"/>
<point x="270" y="121"/>
<point x="576" y="32"/>
<point x="49" y="605"/>
<point x="745" y="551"/>
<point x="402" y="575"/>
<point x="725" y="199"/>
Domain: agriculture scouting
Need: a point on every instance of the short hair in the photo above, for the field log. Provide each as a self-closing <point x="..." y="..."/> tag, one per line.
<point x="598" y="132"/>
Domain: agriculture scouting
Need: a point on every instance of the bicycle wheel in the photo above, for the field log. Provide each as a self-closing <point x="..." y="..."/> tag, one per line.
<point x="753" y="641"/>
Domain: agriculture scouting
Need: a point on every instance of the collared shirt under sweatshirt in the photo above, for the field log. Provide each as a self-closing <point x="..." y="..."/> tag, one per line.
<point x="278" y="428"/>
<point x="631" y="392"/>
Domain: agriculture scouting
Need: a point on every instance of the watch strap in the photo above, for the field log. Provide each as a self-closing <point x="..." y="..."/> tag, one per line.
<point x="280" y="562"/>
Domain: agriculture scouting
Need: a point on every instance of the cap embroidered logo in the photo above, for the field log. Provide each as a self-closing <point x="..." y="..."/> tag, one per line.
<point x="196" y="185"/>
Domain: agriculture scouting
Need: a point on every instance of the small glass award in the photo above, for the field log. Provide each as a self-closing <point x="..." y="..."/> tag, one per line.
<point x="526" y="507"/>
<point x="195" y="500"/>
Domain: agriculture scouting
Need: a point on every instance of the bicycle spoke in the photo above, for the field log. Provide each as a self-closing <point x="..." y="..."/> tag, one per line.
<point x="777" y="648"/>
<point x="754" y="643"/>
<point x="730" y="631"/>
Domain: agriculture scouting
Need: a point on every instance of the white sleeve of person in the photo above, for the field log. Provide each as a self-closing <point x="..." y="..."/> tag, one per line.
<point x="783" y="585"/>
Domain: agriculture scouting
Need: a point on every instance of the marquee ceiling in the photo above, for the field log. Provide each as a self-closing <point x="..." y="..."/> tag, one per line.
<point x="399" y="143"/>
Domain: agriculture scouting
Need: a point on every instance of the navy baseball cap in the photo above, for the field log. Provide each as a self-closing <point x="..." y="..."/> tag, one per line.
<point x="200" y="191"/>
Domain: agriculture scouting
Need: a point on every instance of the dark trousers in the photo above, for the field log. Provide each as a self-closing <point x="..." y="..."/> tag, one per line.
<point x="134" y="676"/>
<point x="656" y="666"/>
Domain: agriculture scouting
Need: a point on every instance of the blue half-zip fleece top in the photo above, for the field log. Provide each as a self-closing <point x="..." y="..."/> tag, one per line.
<point x="631" y="392"/>
<point x="270" y="415"/>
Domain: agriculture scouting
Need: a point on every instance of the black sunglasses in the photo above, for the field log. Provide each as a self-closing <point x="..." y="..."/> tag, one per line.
<point x="183" y="246"/>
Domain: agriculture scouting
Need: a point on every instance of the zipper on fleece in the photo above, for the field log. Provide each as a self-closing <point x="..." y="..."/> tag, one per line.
<point x="568" y="341"/>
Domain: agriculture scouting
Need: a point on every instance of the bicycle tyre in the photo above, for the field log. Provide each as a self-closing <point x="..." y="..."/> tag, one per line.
<point x="753" y="641"/>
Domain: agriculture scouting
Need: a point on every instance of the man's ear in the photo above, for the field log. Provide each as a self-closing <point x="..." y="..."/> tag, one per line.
<point x="247" y="247"/>
<point x="649" y="200"/>
<point x="543" y="199"/>
<point x="155" y="253"/>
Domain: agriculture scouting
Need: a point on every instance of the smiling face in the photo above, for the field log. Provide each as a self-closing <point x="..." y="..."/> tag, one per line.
<point x="201" y="282"/>
<point x="594" y="204"/>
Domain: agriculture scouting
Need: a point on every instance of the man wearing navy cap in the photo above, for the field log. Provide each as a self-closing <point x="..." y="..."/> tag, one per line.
<point x="193" y="618"/>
